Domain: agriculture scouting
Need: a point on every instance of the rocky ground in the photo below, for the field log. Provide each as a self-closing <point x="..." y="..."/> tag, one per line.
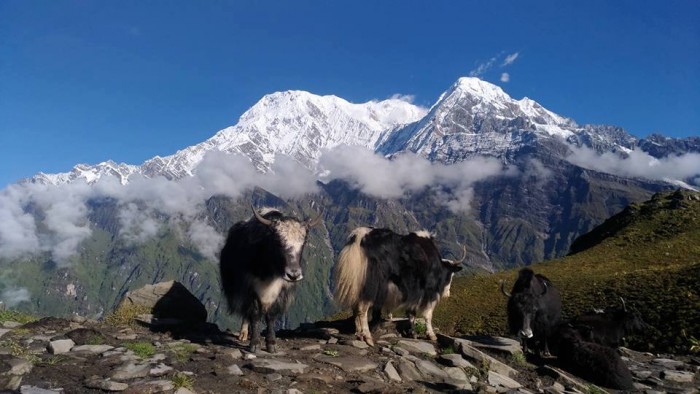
<point x="83" y="356"/>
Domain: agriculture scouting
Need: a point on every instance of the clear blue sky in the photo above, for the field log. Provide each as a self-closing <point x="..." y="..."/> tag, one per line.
<point x="87" y="81"/>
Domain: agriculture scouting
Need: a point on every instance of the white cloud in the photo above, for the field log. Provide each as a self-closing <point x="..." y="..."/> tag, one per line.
<point x="14" y="295"/>
<point x="209" y="242"/>
<point x="510" y="59"/>
<point x="409" y="98"/>
<point x="483" y="67"/>
<point x="638" y="164"/>
<point x="380" y="177"/>
<point x="505" y="77"/>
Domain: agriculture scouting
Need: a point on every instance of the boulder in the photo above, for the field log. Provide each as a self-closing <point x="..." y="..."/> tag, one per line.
<point x="167" y="300"/>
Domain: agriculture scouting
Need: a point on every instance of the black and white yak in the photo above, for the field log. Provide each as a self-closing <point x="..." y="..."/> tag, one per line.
<point x="260" y="265"/>
<point x="534" y="309"/>
<point x="378" y="268"/>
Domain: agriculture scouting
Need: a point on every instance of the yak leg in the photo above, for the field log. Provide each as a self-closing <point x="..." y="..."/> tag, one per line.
<point x="270" y="339"/>
<point x="254" y="333"/>
<point x="243" y="335"/>
<point x="428" y="315"/>
<point x="411" y="313"/>
<point x="361" y="322"/>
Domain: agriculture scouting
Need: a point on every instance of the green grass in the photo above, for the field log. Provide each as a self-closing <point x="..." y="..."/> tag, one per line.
<point x="16" y="316"/>
<point x="141" y="349"/>
<point x="181" y="351"/>
<point x="649" y="254"/>
<point x="181" y="380"/>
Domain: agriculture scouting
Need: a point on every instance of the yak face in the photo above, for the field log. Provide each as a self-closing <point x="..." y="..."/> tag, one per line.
<point x="452" y="268"/>
<point x="522" y="310"/>
<point x="290" y="233"/>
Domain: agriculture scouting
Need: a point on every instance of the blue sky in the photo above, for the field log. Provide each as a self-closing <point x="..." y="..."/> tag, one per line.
<point x="88" y="81"/>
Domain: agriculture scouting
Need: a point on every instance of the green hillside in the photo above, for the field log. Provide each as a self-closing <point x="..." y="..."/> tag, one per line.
<point x="649" y="254"/>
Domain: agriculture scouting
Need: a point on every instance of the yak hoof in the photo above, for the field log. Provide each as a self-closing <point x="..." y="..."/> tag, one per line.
<point x="253" y="348"/>
<point x="270" y="348"/>
<point x="432" y="337"/>
<point x="243" y="337"/>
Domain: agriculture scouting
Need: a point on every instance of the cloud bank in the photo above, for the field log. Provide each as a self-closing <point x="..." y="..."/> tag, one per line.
<point x="639" y="164"/>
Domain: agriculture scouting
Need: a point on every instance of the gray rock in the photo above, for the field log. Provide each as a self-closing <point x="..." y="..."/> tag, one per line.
<point x="496" y="379"/>
<point x="155" y="386"/>
<point x="308" y="377"/>
<point x="408" y="370"/>
<point x="349" y="363"/>
<point x="61" y="346"/>
<point x="183" y="390"/>
<point x="92" y="349"/>
<point x="160" y="370"/>
<point x="273" y="377"/>
<point x="418" y="347"/>
<point x="310" y="348"/>
<point x="26" y="389"/>
<point x="19" y="366"/>
<point x="455" y="360"/>
<point x="131" y="371"/>
<point x="480" y="357"/>
<point x="4" y="331"/>
<point x="97" y="382"/>
<point x="401" y="351"/>
<point x="391" y="372"/>
<point x="355" y="343"/>
<point x="11" y="324"/>
<point x="496" y="344"/>
<point x="678" y="376"/>
<point x="667" y="363"/>
<point x="428" y="368"/>
<point x="277" y="366"/>
<point x="167" y="300"/>
<point x="235" y="354"/>
<point x="234" y="370"/>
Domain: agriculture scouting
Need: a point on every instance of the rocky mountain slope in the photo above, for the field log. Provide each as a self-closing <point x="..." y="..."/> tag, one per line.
<point x="138" y="353"/>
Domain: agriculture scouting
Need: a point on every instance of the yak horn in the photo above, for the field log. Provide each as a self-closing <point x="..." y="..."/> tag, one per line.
<point x="315" y="221"/>
<point x="464" y="255"/>
<point x="505" y="293"/>
<point x="624" y="307"/>
<point x="261" y="219"/>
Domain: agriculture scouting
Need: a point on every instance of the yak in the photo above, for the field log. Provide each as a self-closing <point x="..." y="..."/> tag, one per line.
<point x="378" y="268"/>
<point x="534" y="309"/>
<point x="260" y="265"/>
<point x="609" y="326"/>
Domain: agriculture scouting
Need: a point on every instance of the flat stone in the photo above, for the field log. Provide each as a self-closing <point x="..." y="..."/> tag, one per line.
<point x="678" y="376"/>
<point x="667" y="363"/>
<point x="234" y="354"/>
<point x="355" y="343"/>
<point x="97" y="382"/>
<point x="456" y="374"/>
<point x="160" y="370"/>
<point x="61" y="346"/>
<point x="408" y="370"/>
<point x="19" y="366"/>
<point x="234" y="370"/>
<point x="496" y="379"/>
<point x="92" y="349"/>
<point x="475" y="354"/>
<point x="419" y="347"/>
<point x="131" y="371"/>
<point x="156" y="386"/>
<point x="310" y="348"/>
<point x="308" y="377"/>
<point x="26" y="389"/>
<point x="455" y="360"/>
<point x="391" y="372"/>
<point x="183" y="390"/>
<point x="349" y="363"/>
<point x="277" y="366"/>
<point x="4" y="331"/>
<point x="11" y="324"/>
<point x="496" y="344"/>
<point x="428" y="368"/>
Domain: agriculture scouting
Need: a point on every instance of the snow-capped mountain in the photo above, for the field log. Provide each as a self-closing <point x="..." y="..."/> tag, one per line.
<point x="472" y="117"/>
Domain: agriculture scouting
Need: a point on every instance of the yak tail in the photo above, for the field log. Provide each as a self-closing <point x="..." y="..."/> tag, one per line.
<point x="351" y="269"/>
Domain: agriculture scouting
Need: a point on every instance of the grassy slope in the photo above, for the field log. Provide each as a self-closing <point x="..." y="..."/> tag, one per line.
<point x="649" y="254"/>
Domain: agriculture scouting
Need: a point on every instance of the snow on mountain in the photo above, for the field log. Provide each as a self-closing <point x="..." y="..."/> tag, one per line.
<point x="295" y="123"/>
<point x="475" y="116"/>
<point x="89" y="173"/>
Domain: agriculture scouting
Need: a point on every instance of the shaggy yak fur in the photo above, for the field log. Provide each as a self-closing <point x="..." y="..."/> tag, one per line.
<point x="380" y="269"/>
